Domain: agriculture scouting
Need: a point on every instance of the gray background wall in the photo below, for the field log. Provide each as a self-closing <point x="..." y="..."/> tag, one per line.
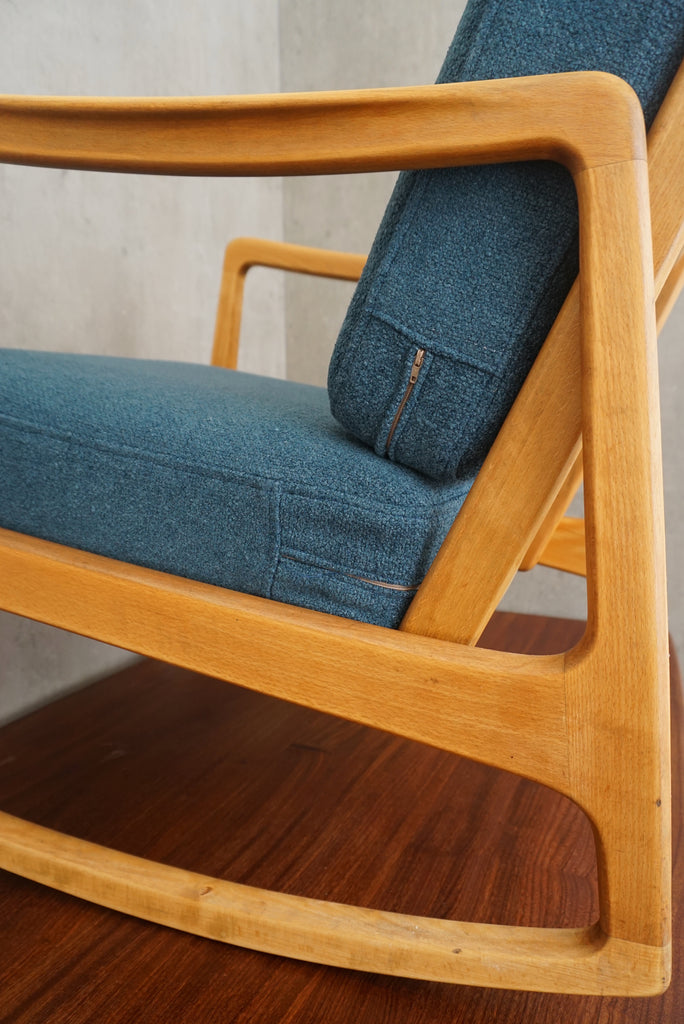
<point x="131" y="266"/>
<point x="124" y="264"/>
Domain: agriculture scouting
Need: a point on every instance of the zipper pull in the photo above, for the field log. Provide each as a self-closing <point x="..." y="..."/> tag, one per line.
<point x="415" y="370"/>
<point x="417" y="363"/>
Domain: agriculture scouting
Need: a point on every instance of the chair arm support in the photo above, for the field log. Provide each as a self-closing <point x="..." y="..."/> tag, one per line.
<point x="242" y="254"/>
<point x="584" y="119"/>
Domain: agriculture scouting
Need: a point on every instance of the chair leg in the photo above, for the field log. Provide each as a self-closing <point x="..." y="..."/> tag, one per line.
<point x="620" y="776"/>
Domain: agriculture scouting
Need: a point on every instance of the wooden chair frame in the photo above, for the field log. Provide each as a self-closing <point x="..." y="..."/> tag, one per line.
<point x="560" y="544"/>
<point x="592" y="723"/>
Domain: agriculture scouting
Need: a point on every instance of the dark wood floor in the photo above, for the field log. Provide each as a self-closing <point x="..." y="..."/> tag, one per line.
<point x="168" y="764"/>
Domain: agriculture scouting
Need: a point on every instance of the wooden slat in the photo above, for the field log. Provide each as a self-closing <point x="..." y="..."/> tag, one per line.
<point x="566" y="550"/>
<point x="515" y="498"/>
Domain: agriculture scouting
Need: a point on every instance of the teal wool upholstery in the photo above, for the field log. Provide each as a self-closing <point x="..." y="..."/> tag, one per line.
<point x="223" y="477"/>
<point x="250" y="483"/>
<point x="471" y="265"/>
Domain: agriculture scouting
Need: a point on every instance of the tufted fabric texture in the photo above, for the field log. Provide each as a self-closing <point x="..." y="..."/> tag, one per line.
<point x="222" y="477"/>
<point x="471" y="265"/>
<point x="249" y="483"/>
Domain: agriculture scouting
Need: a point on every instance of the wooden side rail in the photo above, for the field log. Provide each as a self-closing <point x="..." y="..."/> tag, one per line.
<point x="458" y="699"/>
<point x="508" y="710"/>
<point x="244" y="253"/>
<point x="592" y="723"/>
<point x="666" y="184"/>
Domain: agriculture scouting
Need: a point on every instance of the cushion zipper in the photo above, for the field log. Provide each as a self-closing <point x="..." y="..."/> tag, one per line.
<point x="415" y="370"/>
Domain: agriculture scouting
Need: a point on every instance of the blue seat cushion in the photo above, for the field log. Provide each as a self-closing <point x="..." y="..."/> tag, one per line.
<point x="471" y="265"/>
<point x="223" y="477"/>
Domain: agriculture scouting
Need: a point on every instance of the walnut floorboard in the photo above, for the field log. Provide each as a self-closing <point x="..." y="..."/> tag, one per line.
<point x="169" y="764"/>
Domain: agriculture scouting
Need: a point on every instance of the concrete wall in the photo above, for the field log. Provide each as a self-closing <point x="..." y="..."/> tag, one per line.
<point x="330" y="45"/>
<point x="131" y="266"/>
<point x="123" y="264"/>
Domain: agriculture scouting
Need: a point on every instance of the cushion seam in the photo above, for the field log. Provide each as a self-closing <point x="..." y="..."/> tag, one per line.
<point x="273" y="483"/>
<point x="415" y="514"/>
<point x="435" y="349"/>
<point x="295" y="556"/>
<point x="277" y="537"/>
<point x="131" y="452"/>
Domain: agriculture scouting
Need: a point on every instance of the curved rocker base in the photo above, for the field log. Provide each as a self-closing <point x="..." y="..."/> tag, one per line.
<point x="578" y="961"/>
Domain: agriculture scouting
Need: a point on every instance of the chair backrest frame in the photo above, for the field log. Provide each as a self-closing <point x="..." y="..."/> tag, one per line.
<point x="514" y="501"/>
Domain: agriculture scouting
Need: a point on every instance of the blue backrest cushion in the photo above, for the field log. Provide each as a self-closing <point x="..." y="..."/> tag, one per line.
<point x="471" y="265"/>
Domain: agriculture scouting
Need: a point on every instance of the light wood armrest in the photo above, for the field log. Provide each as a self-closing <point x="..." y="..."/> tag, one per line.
<point x="314" y="133"/>
<point x="242" y="254"/>
<point x="543" y="117"/>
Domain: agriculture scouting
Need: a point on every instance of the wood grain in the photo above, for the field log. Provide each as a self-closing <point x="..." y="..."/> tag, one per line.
<point x="666" y="185"/>
<point x="583" y="120"/>
<point x="593" y="724"/>
<point x="566" y="548"/>
<point x="488" y="705"/>
<point x="539" y="445"/>
<point x="172" y="765"/>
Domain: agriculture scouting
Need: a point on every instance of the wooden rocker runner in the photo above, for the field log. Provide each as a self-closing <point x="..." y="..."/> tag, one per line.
<point x="591" y="723"/>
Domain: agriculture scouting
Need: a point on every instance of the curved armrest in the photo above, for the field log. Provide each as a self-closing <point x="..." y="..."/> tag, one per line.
<point x="583" y="119"/>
